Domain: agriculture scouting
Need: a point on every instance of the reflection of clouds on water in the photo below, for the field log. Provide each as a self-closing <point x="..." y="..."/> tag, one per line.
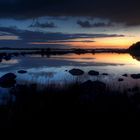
<point x="28" y="62"/>
<point x="46" y="70"/>
<point x="10" y="62"/>
<point x="55" y="70"/>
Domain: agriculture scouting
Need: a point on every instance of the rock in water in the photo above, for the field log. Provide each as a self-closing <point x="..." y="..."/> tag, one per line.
<point x="76" y="72"/>
<point x="120" y="79"/>
<point x="22" y="71"/>
<point x="8" y="80"/>
<point x="93" y="73"/>
<point x="94" y="85"/>
<point x="105" y="74"/>
<point x="125" y="75"/>
<point x="135" y="76"/>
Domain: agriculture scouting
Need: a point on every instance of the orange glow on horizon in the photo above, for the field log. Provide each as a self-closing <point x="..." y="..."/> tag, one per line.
<point x="114" y="42"/>
<point x="102" y="58"/>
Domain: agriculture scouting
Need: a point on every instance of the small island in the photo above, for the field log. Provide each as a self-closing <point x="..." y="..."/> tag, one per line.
<point x="135" y="47"/>
<point x="134" y="51"/>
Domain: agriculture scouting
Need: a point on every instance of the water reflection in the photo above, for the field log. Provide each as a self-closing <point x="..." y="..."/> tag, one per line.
<point x="107" y="58"/>
<point x="41" y="69"/>
<point x="135" y="55"/>
<point x="10" y="62"/>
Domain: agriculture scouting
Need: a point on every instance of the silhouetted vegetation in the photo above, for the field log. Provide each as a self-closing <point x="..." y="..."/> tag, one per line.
<point x="135" y="47"/>
<point x="57" y="105"/>
<point x="134" y="50"/>
<point x="5" y="53"/>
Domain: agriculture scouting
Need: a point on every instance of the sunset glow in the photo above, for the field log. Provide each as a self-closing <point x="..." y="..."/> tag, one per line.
<point x="68" y="63"/>
<point x="102" y="58"/>
<point x="115" y="42"/>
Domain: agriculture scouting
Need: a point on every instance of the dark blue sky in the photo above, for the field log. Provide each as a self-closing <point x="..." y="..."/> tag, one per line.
<point x="97" y="22"/>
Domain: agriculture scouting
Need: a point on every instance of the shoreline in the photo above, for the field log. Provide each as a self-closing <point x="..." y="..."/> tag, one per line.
<point x="48" y="51"/>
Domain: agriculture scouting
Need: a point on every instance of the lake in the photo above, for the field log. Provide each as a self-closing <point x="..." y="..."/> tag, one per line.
<point x="54" y="69"/>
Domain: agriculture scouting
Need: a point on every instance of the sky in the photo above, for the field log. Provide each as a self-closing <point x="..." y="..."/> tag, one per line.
<point x="69" y="24"/>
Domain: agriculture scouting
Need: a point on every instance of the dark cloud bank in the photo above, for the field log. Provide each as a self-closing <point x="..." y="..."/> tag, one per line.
<point x="87" y="24"/>
<point x="37" y="24"/>
<point x="26" y="36"/>
<point x="127" y="11"/>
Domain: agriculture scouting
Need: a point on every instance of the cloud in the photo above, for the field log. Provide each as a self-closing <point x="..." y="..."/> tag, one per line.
<point x="87" y="24"/>
<point x="9" y="37"/>
<point x="42" y="25"/>
<point x="4" y="33"/>
<point x="35" y="35"/>
<point x="62" y="41"/>
<point x="62" y="18"/>
<point x="24" y="37"/>
<point x="126" y="11"/>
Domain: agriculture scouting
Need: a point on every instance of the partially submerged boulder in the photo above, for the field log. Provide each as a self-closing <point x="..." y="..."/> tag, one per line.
<point x="135" y="76"/>
<point x="120" y="79"/>
<point x="125" y="75"/>
<point x="93" y="73"/>
<point x="22" y="71"/>
<point x="8" y="80"/>
<point x="76" y="72"/>
<point x="94" y="85"/>
<point x="105" y="74"/>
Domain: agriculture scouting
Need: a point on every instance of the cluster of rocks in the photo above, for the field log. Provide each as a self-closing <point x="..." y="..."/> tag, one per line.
<point x="135" y="76"/>
<point x="9" y="80"/>
<point x="77" y="72"/>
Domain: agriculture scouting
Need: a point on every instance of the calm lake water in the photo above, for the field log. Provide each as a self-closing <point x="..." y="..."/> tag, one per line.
<point x="54" y="69"/>
<point x="44" y="70"/>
